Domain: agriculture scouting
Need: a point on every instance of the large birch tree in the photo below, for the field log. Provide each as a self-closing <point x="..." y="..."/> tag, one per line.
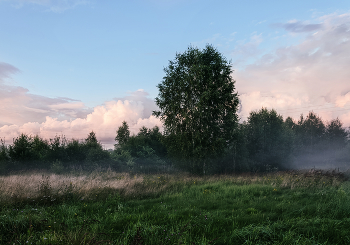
<point x="198" y="106"/>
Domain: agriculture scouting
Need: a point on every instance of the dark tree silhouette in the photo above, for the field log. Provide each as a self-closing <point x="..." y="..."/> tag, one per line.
<point x="269" y="140"/>
<point x="336" y="134"/>
<point x="123" y="134"/>
<point x="198" y="106"/>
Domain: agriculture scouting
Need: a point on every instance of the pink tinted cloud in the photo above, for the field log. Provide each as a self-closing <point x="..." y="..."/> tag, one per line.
<point x="342" y="100"/>
<point x="23" y="112"/>
<point x="18" y="106"/>
<point x="6" y="70"/>
<point x="311" y="75"/>
<point x="104" y="120"/>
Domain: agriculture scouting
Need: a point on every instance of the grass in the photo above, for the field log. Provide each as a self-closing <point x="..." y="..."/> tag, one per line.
<point x="121" y="208"/>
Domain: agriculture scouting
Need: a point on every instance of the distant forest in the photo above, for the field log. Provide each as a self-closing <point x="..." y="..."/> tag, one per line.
<point x="264" y="143"/>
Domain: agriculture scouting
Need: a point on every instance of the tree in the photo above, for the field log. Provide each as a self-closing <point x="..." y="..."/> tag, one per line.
<point x="236" y="158"/>
<point x="40" y="148"/>
<point x="3" y="152"/>
<point x="94" y="150"/>
<point x="269" y="139"/>
<point x="57" y="151"/>
<point x="290" y="123"/>
<point x="198" y="106"/>
<point x="21" y="150"/>
<point x="336" y="134"/>
<point x="123" y="134"/>
<point x="76" y="151"/>
<point x="91" y="140"/>
<point x="310" y="131"/>
<point x="153" y="138"/>
<point x="142" y="151"/>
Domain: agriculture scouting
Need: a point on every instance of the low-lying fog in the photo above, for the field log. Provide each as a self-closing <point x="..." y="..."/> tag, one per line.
<point x="326" y="160"/>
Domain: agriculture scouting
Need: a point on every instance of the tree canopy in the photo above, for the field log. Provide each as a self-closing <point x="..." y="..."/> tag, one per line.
<point x="269" y="139"/>
<point x="198" y="105"/>
<point x="123" y="134"/>
<point x="310" y="131"/>
<point x="335" y="133"/>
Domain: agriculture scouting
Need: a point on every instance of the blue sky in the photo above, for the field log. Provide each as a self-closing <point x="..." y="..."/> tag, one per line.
<point x="66" y="64"/>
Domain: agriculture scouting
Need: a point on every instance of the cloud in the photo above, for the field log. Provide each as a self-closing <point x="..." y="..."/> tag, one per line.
<point x="299" y="26"/>
<point x="104" y="120"/>
<point x="310" y="75"/>
<point x="67" y="106"/>
<point x="18" y="106"/>
<point x="342" y="100"/>
<point x="23" y="112"/>
<point x="57" y="6"/>
<point x="141" y="96"/>
<point x="6" y="70"/>
<point x="256" y="100"/>
<point x="243" y="51"/>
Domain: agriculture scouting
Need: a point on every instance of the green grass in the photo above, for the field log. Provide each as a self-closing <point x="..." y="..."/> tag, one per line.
<point x="111" y="208"/>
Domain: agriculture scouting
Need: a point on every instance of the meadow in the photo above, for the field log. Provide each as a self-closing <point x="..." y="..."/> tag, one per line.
<point x="107" y="207"/>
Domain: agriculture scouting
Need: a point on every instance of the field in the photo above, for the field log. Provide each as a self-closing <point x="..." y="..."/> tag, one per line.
<point x="105" y="207"/>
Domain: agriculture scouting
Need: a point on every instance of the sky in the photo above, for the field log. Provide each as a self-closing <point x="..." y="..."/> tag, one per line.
<point x="68" y="67"/>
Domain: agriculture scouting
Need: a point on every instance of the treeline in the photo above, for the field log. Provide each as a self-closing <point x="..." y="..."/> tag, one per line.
<point x="265" y="142"/>
<point x="28" y="152"/>
<point x="143" y="152"/>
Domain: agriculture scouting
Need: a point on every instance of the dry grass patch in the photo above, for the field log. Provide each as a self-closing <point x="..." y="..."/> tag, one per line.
<point x="19" y="187"/>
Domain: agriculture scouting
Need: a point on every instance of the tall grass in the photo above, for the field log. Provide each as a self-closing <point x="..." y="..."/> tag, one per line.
<point x="123" y="208"/>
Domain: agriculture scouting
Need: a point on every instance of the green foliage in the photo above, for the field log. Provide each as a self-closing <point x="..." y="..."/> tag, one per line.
<point x="94" y="150"/>
<point x="289" y="123"/>
<point x="123" y="134"/>
<point x="144" y="150"/>
<point x="313" y="138"/>
<point x="237" y="157"/>
<point x="97" y="155"/>
<point x="91" y="140"/>
<point x="21" y="150"/>
<point x="336" y="134"/>
<point x="57" y="151"/>
<point x="310" y="131"/>
<point x="269" y="140"/>
<point x="154" y="139"/>
<point x="3" y="152"/>
<point x="27" y="151"/>
<point x="123" y="156"/>
<point x="56" y="154"/>
<point x="4" y="157"/>
<point x="40" y="148"/>
<point x="198" y="106"/>
<point x="76" y="151"/>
